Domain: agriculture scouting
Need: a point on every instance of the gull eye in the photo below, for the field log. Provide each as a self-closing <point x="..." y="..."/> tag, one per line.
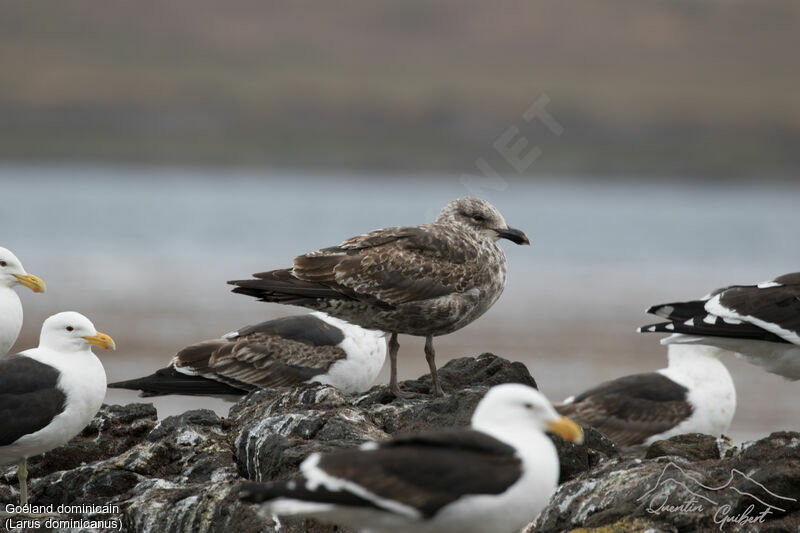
<point x="528" y="405"/>
<point x="3" y="264"/>
<point x="70" y="328"/>
<point x="478" y="218"/>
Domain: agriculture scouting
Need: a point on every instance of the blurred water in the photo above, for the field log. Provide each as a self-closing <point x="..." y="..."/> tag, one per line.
<point x="146" y="253"/>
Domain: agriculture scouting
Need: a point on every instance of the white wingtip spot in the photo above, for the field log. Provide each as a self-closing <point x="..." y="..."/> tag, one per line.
<point x="670" y="327"/>
<point x="690" y="322"/>
<point x="710" y="319"/>
<point x="768" y="285"/>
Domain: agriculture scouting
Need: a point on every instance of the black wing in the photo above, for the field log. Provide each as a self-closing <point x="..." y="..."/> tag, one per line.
<point x="307" y="329"/>
<point x="29" y="397"/>
<point x="773" y="306"/>
<point x="631" y="409"/>
<point x="425" y="471"/>
<point x="766" y="312"/>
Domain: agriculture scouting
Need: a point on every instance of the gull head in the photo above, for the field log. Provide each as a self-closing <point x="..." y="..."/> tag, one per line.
<point x="481" y="217"/>
<point x="510" y="406"/>
<point x="72" y="332"/>
<point x="12" y="273"/>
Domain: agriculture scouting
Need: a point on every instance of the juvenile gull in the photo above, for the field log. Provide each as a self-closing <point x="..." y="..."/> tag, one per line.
<point x="496" y="476"/>
<point x="11" y="274"/>
<point x="694" y="394"/>
<point x="50" y="393"/>
<point x="426" y="280"/>
<point x="277" y="353"/>
<point x="761" y="323"/>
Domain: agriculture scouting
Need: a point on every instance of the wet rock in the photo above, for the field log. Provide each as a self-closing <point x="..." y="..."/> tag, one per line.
<point x="486" y="369"/>
<point x="114" y="430"/>
<point x="176" y="475"/>
<point x="691" y="446"/>
<point x="577" y="458"/>
<point x="755" y="488"/>
<point x="181" y="474"/>
<point x="273" y="431"/>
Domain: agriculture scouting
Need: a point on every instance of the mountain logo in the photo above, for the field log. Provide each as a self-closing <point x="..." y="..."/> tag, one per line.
<point x="689" y="495"/>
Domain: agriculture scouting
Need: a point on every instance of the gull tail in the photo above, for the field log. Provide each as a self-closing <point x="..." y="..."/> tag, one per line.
<point x="679" y="310"/>
<point x="291" y="497"/>
<point x="707" y="325"/>
<point x="170" y="381"/>
<point x="280" y="286"/>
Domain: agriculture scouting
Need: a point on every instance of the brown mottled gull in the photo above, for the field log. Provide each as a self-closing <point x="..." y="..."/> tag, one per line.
<point x="426" y="280"/>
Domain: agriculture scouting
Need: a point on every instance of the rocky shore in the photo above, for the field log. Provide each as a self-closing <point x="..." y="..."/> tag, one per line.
<point x="128" y="471"/>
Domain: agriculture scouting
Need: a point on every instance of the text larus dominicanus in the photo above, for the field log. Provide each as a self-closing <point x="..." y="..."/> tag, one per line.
<point x="694" y="394"/>
<point x="495" y="477"/>
<point x="761" y="323"/>
<point x="426" y="280"/>
<point x="50" y="393"/>
<point x="277" y="353"/>
<point x="11" y="274"/>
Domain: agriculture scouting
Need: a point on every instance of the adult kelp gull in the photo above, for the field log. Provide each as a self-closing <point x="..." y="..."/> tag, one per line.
<point x="50" y="393"/>
<point x="760" y="322"/>
<point x="426" y="280"/>
<point x="694" y="394"/>
<point x="496" y="476"/>
<point x="277" y="353"/>
<point x="11" y="274"/>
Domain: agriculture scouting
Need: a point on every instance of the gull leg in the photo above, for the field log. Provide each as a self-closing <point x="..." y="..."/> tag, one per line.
<point x="394" y="347"/>
<point x="22" y="475"/>
<point x="430" y="356"/>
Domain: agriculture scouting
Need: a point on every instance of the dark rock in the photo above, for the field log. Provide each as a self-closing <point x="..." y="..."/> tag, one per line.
<point x="211" y="507"/>
<point x="691" y="446"/>
<point x="167" y="476"/>
<point x="672" y="493"/>
<point x="273" y="431"/>
<point x="577" y="458"/>
<point x="486" y="369"/>
<point x="625" y="525"/>
<point x="181" y="474"/>
<point x="114" y="430"/>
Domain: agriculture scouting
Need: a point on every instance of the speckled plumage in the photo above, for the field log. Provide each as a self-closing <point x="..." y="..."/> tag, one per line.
<point x="258" y="360"/>
<point x="283" y="352"/>
<point x="426" y="280"/>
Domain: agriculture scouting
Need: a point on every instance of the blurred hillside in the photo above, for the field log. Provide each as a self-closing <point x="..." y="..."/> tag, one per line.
<point x="663" y="87"/>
